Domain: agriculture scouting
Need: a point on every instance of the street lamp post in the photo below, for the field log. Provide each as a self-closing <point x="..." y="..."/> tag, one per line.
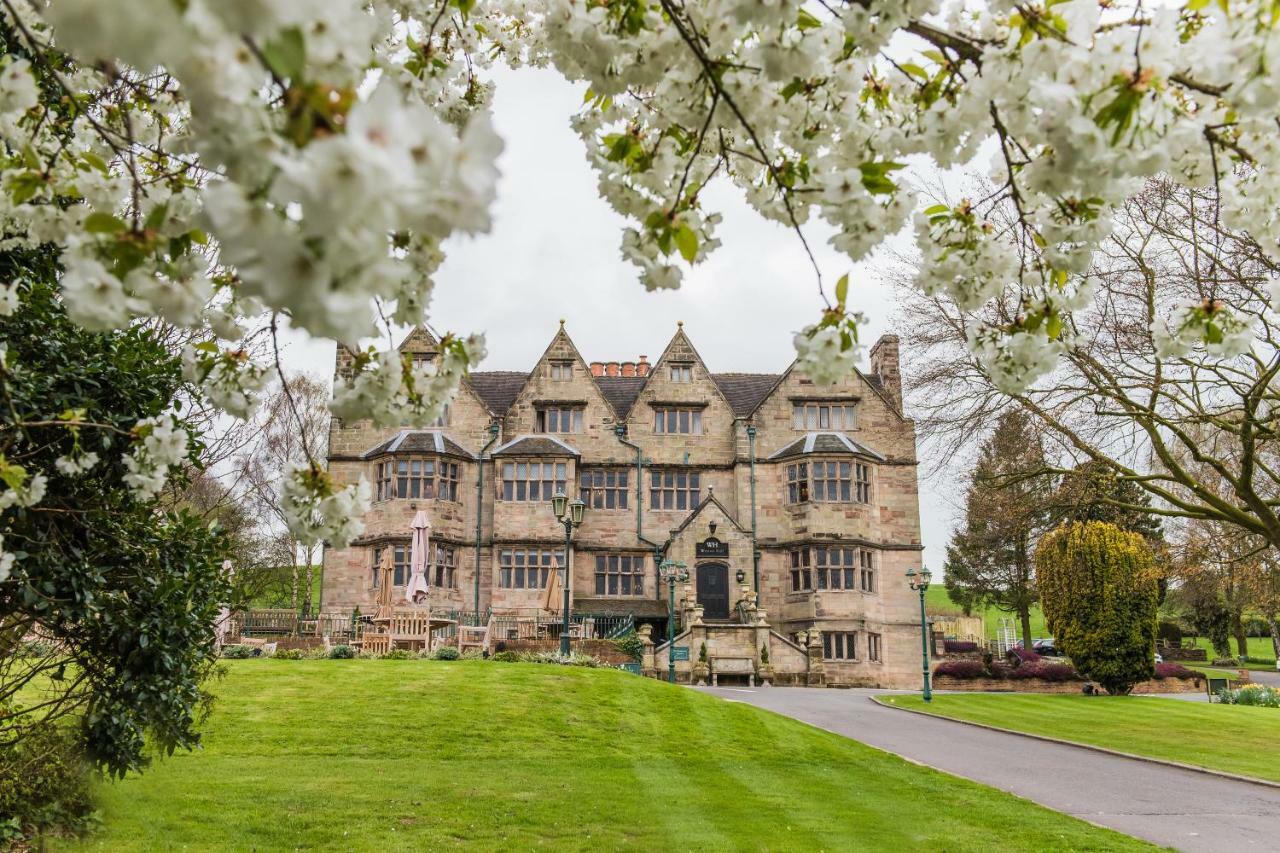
<point x="569" y="513"/>
<point x="920" y="586"/>
<point x="672" y="571"/>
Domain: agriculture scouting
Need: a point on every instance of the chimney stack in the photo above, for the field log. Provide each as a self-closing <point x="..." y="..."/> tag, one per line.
<point x="885" y="364"/>
<point x="642" y="366"/>
<point x="597" y="368"/>
<point x="629" y="369"/>
<point x="611" y="368"/>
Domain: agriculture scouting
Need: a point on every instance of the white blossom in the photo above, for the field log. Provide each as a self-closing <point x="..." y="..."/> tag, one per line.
<point x="161" y="444"/>
<point x="76" y="464"/>
<point x="318" y="511"/>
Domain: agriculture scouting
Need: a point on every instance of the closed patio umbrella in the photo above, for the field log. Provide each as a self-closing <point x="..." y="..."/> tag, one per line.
<point x="554" y="589"/>
<point x="419" y="551"/>
<point x="384" y="586"/>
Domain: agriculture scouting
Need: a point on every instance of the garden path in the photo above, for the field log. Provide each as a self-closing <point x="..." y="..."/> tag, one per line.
<point x="1166" y="805"/>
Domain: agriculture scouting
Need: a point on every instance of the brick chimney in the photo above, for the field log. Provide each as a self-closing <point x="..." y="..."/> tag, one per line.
<point x="629" y="369"/>
<point x="611" y="368"/>
<point x="642" y="366"/>
<point x="885" y="364"/>
<point x="597" y="368"/>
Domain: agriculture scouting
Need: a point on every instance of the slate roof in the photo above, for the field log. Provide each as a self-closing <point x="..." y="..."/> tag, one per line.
<point x="535" y="445"/>
<point x="498" y="389"/>
<point x="745" y="391"/>
<point x="825" y="442"/>
<point x="420" y="441"/>
<point x="620" y="391"/>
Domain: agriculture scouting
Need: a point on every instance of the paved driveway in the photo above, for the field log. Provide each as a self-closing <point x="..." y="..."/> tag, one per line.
<point x="1166" y="805"/>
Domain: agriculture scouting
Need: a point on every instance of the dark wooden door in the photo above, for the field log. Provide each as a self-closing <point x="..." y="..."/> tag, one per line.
<point x="713" y="590"/>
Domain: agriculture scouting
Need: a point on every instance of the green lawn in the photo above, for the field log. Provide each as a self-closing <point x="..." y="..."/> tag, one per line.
<point x="1230" y="738"/>
<point x="939" y="603"/>
<point x="1259" y="647"/>
<point x="417" y="755"/>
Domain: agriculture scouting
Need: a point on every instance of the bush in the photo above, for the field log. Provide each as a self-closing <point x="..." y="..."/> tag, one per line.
<point x="1100" y="592"/>
<point x="397" y="654"/>
<point x="343" y="652"/>
<point x="289" y="654"/>
<point x="1018" y="657"/>
<point x="630" y="644"/>
<point x="1045" y="671"/>
<point x="36" y="649"/>
<point x="1176" y="670"/>
<point x="447" y="653"/>
<point x="1169" y="633"/>
<point x="236" y="652"/>
<point x="952" y="647"/>
<point x="1258" y="695"/>
<point x="505" y="656"/>
<point x="473" y="654"/>
<point x="1225" y="662"/>
<point x="44" y="784"/>
<point x="961" y="669"/>
<point x="574" y="659"/>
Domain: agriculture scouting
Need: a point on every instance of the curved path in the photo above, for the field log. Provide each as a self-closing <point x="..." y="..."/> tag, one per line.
<point x="1166" y="805"/>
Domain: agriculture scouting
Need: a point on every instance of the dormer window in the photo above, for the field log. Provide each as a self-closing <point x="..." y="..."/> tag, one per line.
<point x="682" y="372"/>
<point x="838" y="416"/>
<point x="560" y="419"/>
<point x="561" y="371"/>
<point x="417" y="478"/>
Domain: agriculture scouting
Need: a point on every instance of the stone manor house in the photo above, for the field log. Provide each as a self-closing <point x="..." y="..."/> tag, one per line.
<point x="793" y="505"/>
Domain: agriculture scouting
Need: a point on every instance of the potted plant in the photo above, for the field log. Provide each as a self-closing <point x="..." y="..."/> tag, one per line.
<point x="766" y="668"/>
<point x="700" y="669"/>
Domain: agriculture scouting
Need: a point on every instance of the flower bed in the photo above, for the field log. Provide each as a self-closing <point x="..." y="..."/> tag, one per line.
<point x="1176" y="670"/>
<point x="1257" y="695"/>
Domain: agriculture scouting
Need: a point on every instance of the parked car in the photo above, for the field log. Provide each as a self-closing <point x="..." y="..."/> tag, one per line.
<point x="1046" y="648"/>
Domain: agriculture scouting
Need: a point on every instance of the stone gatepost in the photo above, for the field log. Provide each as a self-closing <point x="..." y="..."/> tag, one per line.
<point x="764" y="657"/>
<point x="817" y="674"/>
<point x="648" y="665"/>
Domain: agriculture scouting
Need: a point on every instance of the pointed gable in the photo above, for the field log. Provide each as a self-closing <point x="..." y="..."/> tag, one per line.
<point x="562" y="379"/>
<point x="680" y="380"/>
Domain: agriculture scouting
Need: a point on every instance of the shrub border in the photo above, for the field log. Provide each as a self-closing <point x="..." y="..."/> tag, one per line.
<point x="1222" y="774"/>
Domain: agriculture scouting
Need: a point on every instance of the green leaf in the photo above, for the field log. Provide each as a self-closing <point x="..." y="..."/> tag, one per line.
<point x="806" y="21"/>
<point x="842" y="289"/>
<point x="914" y="70"/>
<point x="687" y="243"/>
<point x="936" y="210"/>
<point x="875" y="176"/>
<point x="1054" y="327"/>
<point x="95" y="161"/>
<point x="286" y="54"/>
<point x="156" y="217"/>
<point x="103" y="223"/>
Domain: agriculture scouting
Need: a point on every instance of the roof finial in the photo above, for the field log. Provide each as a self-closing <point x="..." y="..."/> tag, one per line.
<point x="562" y="322"/>
<point x="679" y="324"/>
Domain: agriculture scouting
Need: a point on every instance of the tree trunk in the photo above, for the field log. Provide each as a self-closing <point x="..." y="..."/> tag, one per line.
<point x="1024" y="615"/>
<point x="293" y="579"/>
<point x="306" y="608"/>
<point x="1274" y="624"/>
<point x="1242" y="637"/>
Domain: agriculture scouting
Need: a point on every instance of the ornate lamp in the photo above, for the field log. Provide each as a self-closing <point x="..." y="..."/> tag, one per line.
<point x="558" y="503"/>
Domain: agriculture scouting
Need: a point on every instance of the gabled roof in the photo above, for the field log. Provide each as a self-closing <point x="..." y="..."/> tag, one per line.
<point x="827" y="443"/>
<point x="745" y="391"/>
<point x="678" y="341"/>
<point x="621" y="392"/>
<point x="535" y="445"/>
<point x="709" y="500"/>
<point x="497" y="389"/>
<point x="420" y="441"/>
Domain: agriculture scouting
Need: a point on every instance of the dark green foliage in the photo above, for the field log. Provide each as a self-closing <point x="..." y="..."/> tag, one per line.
<point x="447" y="653"/>
<point x="343" y="652"/>
<point x="1100" y="592"/>
<point x="505" y="657"/>
<point x="288" y="654"/>
<point x="44" y="781"/>
<point x="1207" y="612"/>
<point x="398" y="654"/>
<point x="1093" y="492"/>
<point x="237" y="652"/>
<point x="764" y="654"/>
<point x="1006" y="509"/>
<point x="630" y="644"/>
<point x="1169" y="633"/>
<point x="126" y="594"/>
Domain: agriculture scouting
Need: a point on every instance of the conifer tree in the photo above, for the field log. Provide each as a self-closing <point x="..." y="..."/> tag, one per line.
<point x="989" y="560"/>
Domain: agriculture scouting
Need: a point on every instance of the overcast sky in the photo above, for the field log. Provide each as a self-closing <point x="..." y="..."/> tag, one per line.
<point x="553" y="253"/>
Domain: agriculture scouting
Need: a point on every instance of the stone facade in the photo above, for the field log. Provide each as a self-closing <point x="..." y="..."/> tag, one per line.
<point x="665" y="456"/>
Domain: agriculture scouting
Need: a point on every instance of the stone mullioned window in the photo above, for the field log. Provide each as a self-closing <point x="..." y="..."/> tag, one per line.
<point x="832" y="568"/>
<point x="532" y="481"/>
<point x="524" y="568"/>
<point x="840" y="645"/>
<point x="424" y="478"/>
<point x="559" y="420"/>
<point x="604" y="488"/>
<point x="828" y="481"/>
<point x="441" y="571"/>
<point x="677" y="421"/>
<point x="837" y="416"/>
<point x="620" y="574"/>
<point x="674" y="489"/>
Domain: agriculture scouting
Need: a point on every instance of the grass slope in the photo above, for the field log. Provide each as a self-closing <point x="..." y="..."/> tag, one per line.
<point x="1259" y="647"/>
<point x="401" y="755"/>
<point x="939" y="603"/>
<point x="1230" y="738"/>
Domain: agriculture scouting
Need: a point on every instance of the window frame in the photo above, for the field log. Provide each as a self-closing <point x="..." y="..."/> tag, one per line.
<point x="604" y="495"/>
<point x="681" y="372"/>
<point x="444" y="566"/>
<point x="677" y="420"/>
<point x="682" y="485"/>
<point x="507" y="570"/>
<point x="875" y="647"/>
<point x="820" y="415"/>
<point x="417" y="477"/>
<point x="560" y="370"/>
<point x="399" y="563"/>
<point x="559" y="416"/>
<point x="609" y="567"/>
<point x="801" y="568"/>
<point x="840" y="646"/>
<point x="828" y="480"/>
<point x="559" y="480"/>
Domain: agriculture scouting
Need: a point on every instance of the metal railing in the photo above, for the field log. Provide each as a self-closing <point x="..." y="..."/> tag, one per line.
<point x="549" y="626"/>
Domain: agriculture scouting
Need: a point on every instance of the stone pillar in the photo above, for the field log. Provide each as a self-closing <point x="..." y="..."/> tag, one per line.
<point x="817" y="676"/>
<point x="648" y="665"/>
<point x="764" y="654"/>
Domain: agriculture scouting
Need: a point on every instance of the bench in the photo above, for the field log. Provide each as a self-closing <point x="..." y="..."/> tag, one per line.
<point x="732" y="666"/>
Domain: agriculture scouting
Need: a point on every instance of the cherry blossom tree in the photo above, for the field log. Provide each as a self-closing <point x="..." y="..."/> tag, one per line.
<point x="216" y="162"/>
